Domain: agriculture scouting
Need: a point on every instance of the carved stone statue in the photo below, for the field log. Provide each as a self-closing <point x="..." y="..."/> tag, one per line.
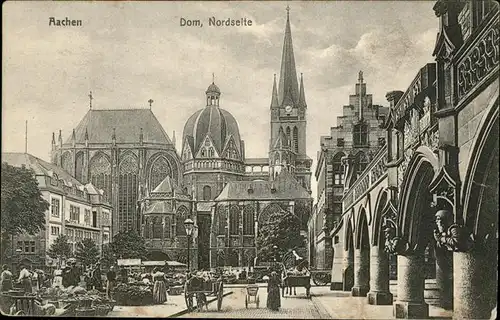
<point x="393" y="243"/>
<point x="448" y="234"/>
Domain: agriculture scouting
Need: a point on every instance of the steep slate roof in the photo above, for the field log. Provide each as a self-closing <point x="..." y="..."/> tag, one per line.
<point x="204" y="206"/>
<point x="100" y="124"/>
<point x="287" y="188"/>
<point x="168" y="185"/>
<point x="39" y="166"/>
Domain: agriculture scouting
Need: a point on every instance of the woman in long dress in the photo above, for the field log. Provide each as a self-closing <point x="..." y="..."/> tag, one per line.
<point x="6" y="279"/>
<point x="159" y="287"/>
<point x="273" y="292"/>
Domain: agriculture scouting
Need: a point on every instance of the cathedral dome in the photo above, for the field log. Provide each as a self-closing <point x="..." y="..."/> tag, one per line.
<point x="214" y="127"/>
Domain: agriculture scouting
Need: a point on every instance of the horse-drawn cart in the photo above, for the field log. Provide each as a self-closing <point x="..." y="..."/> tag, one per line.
<point x="200" y="288"/>
<point x="295" y="274"/>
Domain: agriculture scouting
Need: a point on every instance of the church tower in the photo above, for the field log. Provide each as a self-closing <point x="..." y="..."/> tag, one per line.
<point x="288" y="117"/>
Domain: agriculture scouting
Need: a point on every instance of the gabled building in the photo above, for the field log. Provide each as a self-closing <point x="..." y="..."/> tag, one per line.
<point x="357" y="137"/>
<point x="77" y="210"/>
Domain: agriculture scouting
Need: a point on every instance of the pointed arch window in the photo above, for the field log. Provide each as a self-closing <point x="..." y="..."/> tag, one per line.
<point x="160" y="169"/>
<point x="157" y="228"/>
<point x="79" y="166"/>
<point x="211" y="152"/>
<point x="127" y="193"/>
<point x="207" y="193"/>
<point x="248" y="221"/>
<point x="234" y="220"/>
<point x="181" y="215"/>
<point x="203" y="154"/>
<point x="100" y="174"/>
<point x="66" y="162"/>
<point x="296" y="139"/>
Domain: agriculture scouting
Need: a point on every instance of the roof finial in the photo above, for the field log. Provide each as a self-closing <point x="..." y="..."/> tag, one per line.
<point x="150" y="101"/>
<point x="360" y="78"/>
<point x="90" y="99"/>
<point x="213" y="78"/>
<point x="287" y="11"/>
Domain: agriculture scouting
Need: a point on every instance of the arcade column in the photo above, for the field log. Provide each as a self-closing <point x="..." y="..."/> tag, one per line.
<point x="410" y="302"/>
<point x="361" y="272"/>
<point x="379" y="277"/>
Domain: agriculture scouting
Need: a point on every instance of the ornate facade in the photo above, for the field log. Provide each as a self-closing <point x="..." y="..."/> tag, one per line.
<point x="435" y="186"/>
<point x="357" y="137"/>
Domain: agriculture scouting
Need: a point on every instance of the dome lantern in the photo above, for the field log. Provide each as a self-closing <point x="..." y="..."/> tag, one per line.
<point x="213" y="94"/>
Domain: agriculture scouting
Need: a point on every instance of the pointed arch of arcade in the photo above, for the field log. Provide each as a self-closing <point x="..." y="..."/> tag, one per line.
<point x="266" y="213"/>
<point x="361" y="235"/>
<point x="481" y="177"/>
<point x="415" y="218"/>
<point x="384" y="205"/>
<point x="349" y="232"/>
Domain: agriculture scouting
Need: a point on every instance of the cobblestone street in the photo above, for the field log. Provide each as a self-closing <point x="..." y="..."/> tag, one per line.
<point x="233" y="306"/>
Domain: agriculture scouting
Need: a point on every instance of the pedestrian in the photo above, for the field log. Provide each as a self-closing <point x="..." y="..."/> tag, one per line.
<point x="6" y="279"/>
<point x="159" y="287"/>
<point x="66" y="276"/>
<point x="35" y="280"/>
<point x="25" y="279"/>
<point x="96" y="277"/>
<point x="110" y="282"/>
<point x="273" y="292"/>
<point x="57" y="282"/>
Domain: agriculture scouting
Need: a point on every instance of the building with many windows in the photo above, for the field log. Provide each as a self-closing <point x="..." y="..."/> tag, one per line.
<point x="76" y="210"/>
<point x="357" y="137"/>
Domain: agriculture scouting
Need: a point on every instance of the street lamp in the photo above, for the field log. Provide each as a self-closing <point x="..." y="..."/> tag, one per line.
<point x="189" y="225"/>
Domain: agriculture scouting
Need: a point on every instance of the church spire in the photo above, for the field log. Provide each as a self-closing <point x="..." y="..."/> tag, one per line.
<point x="288" y="86"/>
<point x="274" y="99"/>
<point x="302" y="95"/>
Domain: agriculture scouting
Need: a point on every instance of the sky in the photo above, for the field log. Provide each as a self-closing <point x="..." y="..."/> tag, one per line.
<point x="129" y="52"/>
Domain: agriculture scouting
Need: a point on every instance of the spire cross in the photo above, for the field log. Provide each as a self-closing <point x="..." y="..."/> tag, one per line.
<point x="150" y="101"/>
<point x="90" y="99"/>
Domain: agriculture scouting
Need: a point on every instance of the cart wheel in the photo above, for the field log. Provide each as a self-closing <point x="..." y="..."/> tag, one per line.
<point x="257" y="302"/>
<point x="189" y="301"/>
<point x="246" y="302"/>
<point x="220" y="294"/>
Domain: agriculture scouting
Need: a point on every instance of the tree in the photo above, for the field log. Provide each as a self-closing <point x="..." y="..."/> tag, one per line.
<point x="129" y="245"/>
<point x="87" y="252"/>
<point x="22" y="206"/>
<point x="283" y="231"/>
<point x="60" y="249"/>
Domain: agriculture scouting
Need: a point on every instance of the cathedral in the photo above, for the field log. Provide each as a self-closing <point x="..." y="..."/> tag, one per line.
<point x="154" y="189"/>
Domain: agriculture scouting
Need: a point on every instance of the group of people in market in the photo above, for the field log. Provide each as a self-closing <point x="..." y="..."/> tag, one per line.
<point x="29" y="279"/>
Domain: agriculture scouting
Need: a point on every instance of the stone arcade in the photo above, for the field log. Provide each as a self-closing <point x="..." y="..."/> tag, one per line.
<point x="433" y="189"/>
